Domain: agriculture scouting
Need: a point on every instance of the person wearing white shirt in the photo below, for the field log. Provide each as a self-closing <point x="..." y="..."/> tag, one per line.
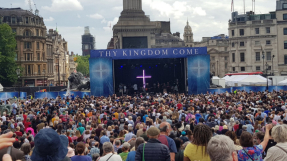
<point x="4" y="117"/>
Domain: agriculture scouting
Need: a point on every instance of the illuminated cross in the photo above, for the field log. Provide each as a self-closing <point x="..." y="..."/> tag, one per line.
<point x="144" y="77"/>
<point x="198" y="68"/>
<point x="101" y="70"/>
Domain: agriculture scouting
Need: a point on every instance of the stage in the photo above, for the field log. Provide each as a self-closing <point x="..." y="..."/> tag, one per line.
<point x="152" y="70"/>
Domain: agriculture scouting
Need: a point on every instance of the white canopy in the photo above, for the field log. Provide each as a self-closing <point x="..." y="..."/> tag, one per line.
<point x="283" y="83"/>
<point x="239" y="80"/>
<point x="1" y="87"/>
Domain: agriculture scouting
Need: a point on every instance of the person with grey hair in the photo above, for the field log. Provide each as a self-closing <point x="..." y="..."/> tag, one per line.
<point x="221" y="148"/>
<point x="279" y="151"/>
<point x="26" y="148"/>
<point x="109" y="153"/>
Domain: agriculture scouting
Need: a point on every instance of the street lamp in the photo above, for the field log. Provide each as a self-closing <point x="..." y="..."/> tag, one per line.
<point x="217" y="68"/>
<point x="267" y="75"/>
<point x="44" y="72"/>
<point x="263" y="60"/>
<point x="272" y="65"/>
<point x="18" y="72"/>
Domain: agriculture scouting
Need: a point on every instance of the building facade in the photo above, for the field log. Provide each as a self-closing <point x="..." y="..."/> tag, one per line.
<point x="258" y="42"/>
<point x="31" y="44"/>
<point x="88" y="42"/>
<point x="188" y="35"/>
<point x="60" y="54"/>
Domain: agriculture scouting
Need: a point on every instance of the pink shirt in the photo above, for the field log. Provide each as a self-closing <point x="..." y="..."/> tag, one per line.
<point x="31" y="129"/>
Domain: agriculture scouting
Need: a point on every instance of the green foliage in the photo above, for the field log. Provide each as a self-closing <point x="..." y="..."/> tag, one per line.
<point x="83" y="64"/>
<point x="8" y="64"/>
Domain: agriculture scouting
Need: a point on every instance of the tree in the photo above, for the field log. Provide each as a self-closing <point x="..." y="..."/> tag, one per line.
<point x="83" y="64"/>
<point x="8" y="64"/>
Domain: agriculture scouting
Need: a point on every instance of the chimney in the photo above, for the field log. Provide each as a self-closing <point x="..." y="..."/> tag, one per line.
<point x="72" y="53"/>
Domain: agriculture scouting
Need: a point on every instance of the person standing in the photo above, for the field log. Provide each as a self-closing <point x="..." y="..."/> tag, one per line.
<point x="153" y="150"/>
<point x="165" y="129"/>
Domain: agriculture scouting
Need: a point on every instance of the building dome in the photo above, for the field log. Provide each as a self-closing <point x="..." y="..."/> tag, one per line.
<point x="187" y="27"/>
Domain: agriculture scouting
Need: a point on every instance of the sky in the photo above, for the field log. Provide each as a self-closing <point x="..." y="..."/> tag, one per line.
<point x="206" y="17"/>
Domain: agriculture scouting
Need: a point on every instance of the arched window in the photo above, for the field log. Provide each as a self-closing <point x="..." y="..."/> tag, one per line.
<point x="27" y="33"/>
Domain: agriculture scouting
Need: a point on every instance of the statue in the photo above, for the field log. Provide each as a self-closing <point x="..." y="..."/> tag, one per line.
<point x="6" y="108"/>
<point x="78" y="81"/>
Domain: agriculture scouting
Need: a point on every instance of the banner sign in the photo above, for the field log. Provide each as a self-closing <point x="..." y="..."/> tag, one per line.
<point x="152" y="53"/>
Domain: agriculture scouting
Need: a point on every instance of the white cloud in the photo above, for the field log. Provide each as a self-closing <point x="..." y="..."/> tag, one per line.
<point x="104" y="21"/>
<point x="96" y="16"/>
<point x="49" y="19"/>
<point x="199" y="11"/>
<point x="64" y="5"/>
<point x="78" y="16"/>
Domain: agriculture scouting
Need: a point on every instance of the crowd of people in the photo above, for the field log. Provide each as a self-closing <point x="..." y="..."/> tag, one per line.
<point x="244" y="126"/>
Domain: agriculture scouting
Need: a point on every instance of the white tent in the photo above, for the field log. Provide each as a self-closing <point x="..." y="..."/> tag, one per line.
<point x="239" y="80"/>
<point x="1" y="87"/>
<point x="283" y="83"/>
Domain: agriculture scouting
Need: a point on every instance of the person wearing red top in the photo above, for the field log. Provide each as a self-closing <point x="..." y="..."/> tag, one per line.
<point x="27" y="123"/>
<point x="236" y="126"/>
<point x="69" y="138"/>
<point x="18" y="132"/>
<point x="179" y="105"/>
<point x="25" y="118"/>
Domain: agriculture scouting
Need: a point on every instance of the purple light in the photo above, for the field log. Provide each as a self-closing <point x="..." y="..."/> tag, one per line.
<point x="144" y="77"/>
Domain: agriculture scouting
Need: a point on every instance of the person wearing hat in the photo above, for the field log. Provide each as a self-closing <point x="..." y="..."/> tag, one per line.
<point x="153" y="150"/>
<point x="49" y="146"/>
<point x="183" y="137"/>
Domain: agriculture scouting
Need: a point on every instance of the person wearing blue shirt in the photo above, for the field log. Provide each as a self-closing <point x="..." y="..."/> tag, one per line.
<point x="144" y="117"/>
<point x="132" y="154"/>
<point x="104" y="138"/>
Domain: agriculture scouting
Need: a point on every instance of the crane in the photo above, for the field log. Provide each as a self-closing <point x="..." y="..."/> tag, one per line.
<point x="31" y="10"/>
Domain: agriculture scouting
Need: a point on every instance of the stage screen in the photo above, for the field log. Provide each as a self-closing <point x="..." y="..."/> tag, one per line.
<point x="166" y="72"/>
<point x="135" y="42"/>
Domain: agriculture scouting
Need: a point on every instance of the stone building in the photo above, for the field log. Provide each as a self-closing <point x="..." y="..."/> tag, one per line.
<point x="188" y="35"/>
<point x="135" y="30"/>
<point x="60" y="55"/>
<point x="31" y="44"/>
<point x="258" y="42"/>
<point x="72" y="64"/>
<point x="218" y="48"/>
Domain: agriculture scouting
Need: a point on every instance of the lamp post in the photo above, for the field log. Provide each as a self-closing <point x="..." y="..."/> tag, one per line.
<point x="44" y="72"/>
<point x="272" y="65"/>
<point x="18" y="72"/>
<point x="266" y="75"/>
<point x="217" y="69"/>
<point x="263" y="60"/>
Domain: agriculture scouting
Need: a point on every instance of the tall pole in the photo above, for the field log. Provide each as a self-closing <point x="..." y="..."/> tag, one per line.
<point x="59" y="69"/>
<point x="272" y="65"/>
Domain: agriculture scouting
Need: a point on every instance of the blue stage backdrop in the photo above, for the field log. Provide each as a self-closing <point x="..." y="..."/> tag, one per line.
<point x="41" y="95"/>
<point x="8" y="95"/>
<point x="80" y="94"/>
<point x="198" y="67"/>
<point x="101" y="66"/>
<point x="101" y="76"/>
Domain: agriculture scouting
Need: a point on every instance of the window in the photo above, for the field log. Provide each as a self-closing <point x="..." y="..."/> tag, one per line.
<point x="268" y="42"/>
<point x="269" y="67"/>
<point x="14" y="30"/>
<point x="37" y="32"/>
<point x="257" y="54"/>
<point x="39" y="69"/>
<point x="285" y="44"/>
<point x="37" y="21"/>
<point x="242" y="43"/>
<point x="226" y="65"/>
<point x="27" y="20"/>
<point x="38" y="56"/>
<point x="16" y="57"/>
<point x="241" y="32"/>
<point x="232" y="44"/>
<point x="242" y="57"/>
<point x="242" y="69"/>
<point x="28" y="69"/>
<point x="268" y="55"/>
<point x="257" y="43"/>
<point x="226" y="58"/>
<point x="233" y="57"/>
<point x="212" y="58"/>
<point x="285" y="31"/>
<point x="38" y="45"/>
<point x="27" y="33"/>
<point x="256" y="30"/>
<point x="28" y="57"/>
<point x="284" y="6"/>
<point x="233" y="69"/>
<point x="28" y="45"/>
<point x="225" y="49"/>
<point x="13" y="20"/>
<point x="284" y="16"/>
<point x="258" y="68"/>
<point x="232" y="32"/>
<point x="268" y="30"/>
<point x="285" y="59"/>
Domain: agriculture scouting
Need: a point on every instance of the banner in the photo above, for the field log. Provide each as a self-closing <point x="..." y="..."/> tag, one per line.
<point x="198" y="74"/>
<point x="8" y="95"/>
<point x="152" y="53"/>
<point x="101" y="76"/>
